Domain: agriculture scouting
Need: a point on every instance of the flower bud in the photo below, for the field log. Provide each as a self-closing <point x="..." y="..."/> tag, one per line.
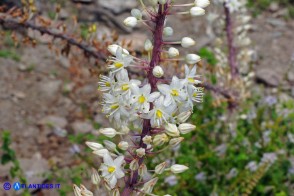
<point x="171" y="130"/>
<point x="115" y="192"/>
<point x="147" y="139"/>
<point x="157" y="71"/>
<point x="113" y="48"/>
<point x="148" y="186"/>
<point x="109" y="145"/>
<point x="108" y="132"/>
<point x="153" y="2"/>
<point x="101" y="152"/>
<point x="134" y="165"/>
<point x="175" y="141"/>
<point x="123" y="145"/>
<point x="184" y="116"/>
<point x="173" y="52"/>
<point x="130" y="21"/>
<point x="141" y="152"/>
<point x="192" y="58"/>
<point x="159" y="169"/>
<point x="187" y="42"/>
<point x="77" y="190"/>
<point x="94" y="146"/>
<point x="160" y="139"/>
<point x="202" y="3"/>
<point x="162" y="2"/>
<point x="142" y="170"/>
<point x="148" y="45"/>
<point x="85" y="191"/>
<point x="136" y="13"/>
<point x="197" y="11"/>
<point x="186" y="128"/>
<point x="168" y="31"/>
<point x="95" y="178"/>
<point x="124" y="129"/>
<point x="176" y="169"/>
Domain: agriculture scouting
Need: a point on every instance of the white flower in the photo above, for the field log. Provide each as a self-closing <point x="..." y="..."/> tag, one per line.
<point x="197" y="11"/>
<point x="136" y="13"/>
<point x="173" y="92"/>
<point x="168" y="31"/>
<point x="171" y="130"/>
<point x="113" y="48"/>
<point x="186" y="128"/>
<point x="141" y="152"/>
<point x="106" y="83"/>
<point x="124" y="83"/>
<point x="202" y="3"/>
<point x="141" y="98"/>
<point x="187" y="42"/>
<point x="157" y="71"/>
<point x="111" y="169"/>
<point x="195" y="94"/>
<point x="173" y="52"/>
<point x="131" y="21"/>
<point x="178" y="168"/>
<point x="120" y="61"/>
<point x="123" y="145"/>
<point x="192" y="58"/>
<point x="190" y="75"/>
<point x="108" y="132"/>
<point x="94" y="146"/>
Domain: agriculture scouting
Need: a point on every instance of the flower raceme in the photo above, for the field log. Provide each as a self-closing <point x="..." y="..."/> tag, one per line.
<point x="156" y="107"/>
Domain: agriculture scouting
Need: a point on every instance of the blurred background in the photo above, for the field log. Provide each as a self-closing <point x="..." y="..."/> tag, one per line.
<point x="49" y="103"/>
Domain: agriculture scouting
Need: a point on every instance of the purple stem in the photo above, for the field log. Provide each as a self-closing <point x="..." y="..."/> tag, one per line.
<point x="230" y="39"/>
<point x="158" y="42"/>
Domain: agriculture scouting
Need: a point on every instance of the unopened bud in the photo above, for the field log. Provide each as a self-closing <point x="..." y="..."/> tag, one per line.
<point x="168" y="31"/>
<point x="94" y="146"/>
<point x="113" y="48"/>
<point x="148" y="45"/>
<point x="187" y="42"/>
<point x="173" y="52"/>
<point x="160" y="139"/>
<point x="115" y="192"/>
<point x="108" y="132"/>
<point x="159" y="169"/>
<point x="148" y="186"/>
<point x="95" y="178"/>
<point x="197" y="11"/>
<point x="176" y="169"/>
<point x="186" y="128"/>
<point x="85" y="191"/>
<point x="136" y="13"/>
<point x="171" y="130"/>
<point x="141" y="152"/>
<point x="130" y="21"/>
<point x="109" y="145"/>
<point x="175" y="141"/>
<point x="158" y="71"/>
<point x="184" y="116"/>
<point x="202" y="3"/>
<point x="101" y="152"/>
<point x="142" y="170"/>
<point x="77" y="190"/>
<point x="124" y="129"/>
<point x="192" y="58"/>
<point x="134" y="165"/>
<point x="123" y="145"/>
<point x="147" y="139"/>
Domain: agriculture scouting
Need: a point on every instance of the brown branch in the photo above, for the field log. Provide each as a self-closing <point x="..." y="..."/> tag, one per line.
<point x="14" y="24"/>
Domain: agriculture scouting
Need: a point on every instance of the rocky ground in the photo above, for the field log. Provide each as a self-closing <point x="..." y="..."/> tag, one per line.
<point x="43" y="98"/>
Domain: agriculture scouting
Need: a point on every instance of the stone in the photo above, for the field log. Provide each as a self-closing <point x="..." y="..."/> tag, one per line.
<point x="50" y="88"/>
<point x="82" y="127"/>
<point x="276" y="22"/>
<point x="268" y="76"/>
<point x="118" y="7"/>
<point x="56" y="121"/>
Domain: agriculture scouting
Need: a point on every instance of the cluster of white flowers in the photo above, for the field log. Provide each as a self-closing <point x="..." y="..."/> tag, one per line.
<point x="233" y="5"/>
<point x="157" y="107"/>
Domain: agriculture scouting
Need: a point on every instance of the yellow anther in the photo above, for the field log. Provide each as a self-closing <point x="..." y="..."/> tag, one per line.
<point x="125" y="87"/>
<point x="111" y="169"/>
<point x="141" y="99"/>
<point x="158" y="114"/>
<point x="174" y="93"/>
<point x="118" y="64"/>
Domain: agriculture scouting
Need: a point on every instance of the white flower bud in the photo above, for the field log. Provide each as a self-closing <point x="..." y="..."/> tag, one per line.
<point x="197" y="11"/>
<point x="124" y="129"/>
<point x="136" y="13"/>
<point x="115" y="192"/>
<point x="160" y="139"/>
<point x="148" y="45"/>
<point x="147" y="139"/>
<point x="202" y="3"/>
<point x="134" y="165"/>
<point x="186" y="128"/>
<point x="157" y="71"/>
<point x="101" y="152"/>
<point x="184" y="116"/>
<point x="176" y="169"/>
<point x="94" y="145"/>
<point x="113" y="48"/>
<point x="85" y="191"/>
<point x="109" y="145"/>
<point x="159" y="169"/>
<point x="175" y="141"/>
<point x="77" y="190"/>
<point x="172" y="130"/>
<point x="95" y="178"/>
<point x="141" y="152"/>
<point x="142" y="170"/>
<point x="162" y="2"/>
<point x="148" y="186"/>
<point x="108" y="132"/>
<point x="187" y="42"/>
<point x="131" y="21"/>
<point x="192" y="58"/>
<point x="168" y="31"/>
<point x="123" y="145"/>
<point x="173" y="52"/>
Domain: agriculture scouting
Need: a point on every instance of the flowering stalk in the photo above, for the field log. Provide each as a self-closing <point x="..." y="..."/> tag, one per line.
<point x="230" y="39"/>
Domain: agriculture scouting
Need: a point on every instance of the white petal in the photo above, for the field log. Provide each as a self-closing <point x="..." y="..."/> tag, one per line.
<point x="167" y="100"/>
<point x="108" y="160"/>
<point x="118" y="161"/>
<point x="146" y="89"/>
<point x="119" y="173"/>
<point x="153" y="96"/>
<point x="163" y="88"/>
<point x="112" y="181"/>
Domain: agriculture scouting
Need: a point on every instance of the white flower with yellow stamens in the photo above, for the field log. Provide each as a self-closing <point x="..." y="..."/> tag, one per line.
<point x="111" y="169"/>
<point x="106" y="83"/>
<point x="141" y="98"/>
<point x="191" y="75"/>
<point x="120" y="61"/>
<point x="124" y="83"/>
<point x="174" y="92"/>
<point x="195" y="95"/>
